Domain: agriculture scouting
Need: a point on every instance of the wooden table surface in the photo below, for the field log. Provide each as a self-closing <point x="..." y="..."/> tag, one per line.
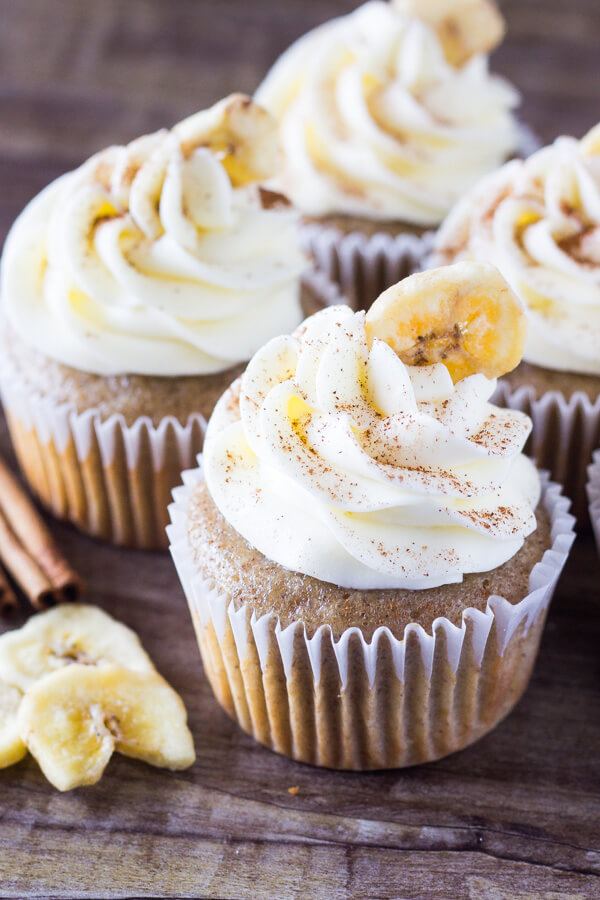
<point x="516" y="816"/>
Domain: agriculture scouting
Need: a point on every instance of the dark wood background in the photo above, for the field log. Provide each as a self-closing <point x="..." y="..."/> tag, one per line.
<point x="516" y="816"/>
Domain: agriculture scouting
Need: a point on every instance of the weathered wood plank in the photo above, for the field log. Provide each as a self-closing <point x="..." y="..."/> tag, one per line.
<point x="124" y="865"/>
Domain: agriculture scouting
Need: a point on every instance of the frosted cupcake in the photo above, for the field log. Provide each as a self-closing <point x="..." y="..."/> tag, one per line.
<point x="364" y="548"/>
<point x="539" y="221"/>
<point x="388" y="115"/>
<point x="133" y="289"/>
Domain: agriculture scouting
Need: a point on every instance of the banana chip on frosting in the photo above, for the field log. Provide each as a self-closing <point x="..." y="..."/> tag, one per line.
<point x="465" y="316"/>
<point x="242" y="134"/>
<point x="464" y="27"/>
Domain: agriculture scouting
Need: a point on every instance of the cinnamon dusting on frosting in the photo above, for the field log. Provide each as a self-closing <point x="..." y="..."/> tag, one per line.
<point x="538" y="221"/>
<point x="335" y="466"/>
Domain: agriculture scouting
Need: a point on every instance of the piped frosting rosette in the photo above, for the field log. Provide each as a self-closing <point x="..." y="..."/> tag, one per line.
<point x="162" y="257"/>
<point x="334" y="458"/>
<point x="377" y="122"/>
<point x="538" y="221"/>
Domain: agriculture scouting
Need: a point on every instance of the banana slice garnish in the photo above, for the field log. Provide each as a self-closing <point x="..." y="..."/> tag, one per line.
<point x="77" y="633"/>
<point x="464" y="27"/>
<point x="242" y="134"/>
<point x="76" y="685"/>
<point x="465" y="316"/>
<point x="12" y="748"/>
<point x="74" y="719"/>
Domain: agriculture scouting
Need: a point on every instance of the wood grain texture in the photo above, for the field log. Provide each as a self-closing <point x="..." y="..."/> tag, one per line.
<point x="516" y="816"/>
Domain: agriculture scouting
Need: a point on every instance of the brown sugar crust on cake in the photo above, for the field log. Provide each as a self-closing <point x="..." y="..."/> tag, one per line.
<point x="368" y="227"/>
<point x="246" y="576"/>
<point x="543" y="380"/>
<point x="131" y="396"/>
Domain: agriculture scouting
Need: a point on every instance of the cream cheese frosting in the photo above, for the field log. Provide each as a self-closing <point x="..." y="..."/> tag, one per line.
<point x="538" y="221"/>
<point x="336" y="460"/>
<point x="162" y="257"/>
<point x="375" y="122"/>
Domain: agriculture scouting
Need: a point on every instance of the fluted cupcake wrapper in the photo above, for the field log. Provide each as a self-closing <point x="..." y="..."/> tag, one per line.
<point x="111" y="479"/>
<point x="593" y="493"/>
<point x="364" y="266"/>
<point x="565" y="434"/>
<point x="357" y="704"/>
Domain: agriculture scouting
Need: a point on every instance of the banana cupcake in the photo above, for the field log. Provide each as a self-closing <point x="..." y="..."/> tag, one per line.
<point x="388" y="115"/>
<point x="367" y="554"/>
<point x="538" y="221"/>
<point x="133" y="290"/>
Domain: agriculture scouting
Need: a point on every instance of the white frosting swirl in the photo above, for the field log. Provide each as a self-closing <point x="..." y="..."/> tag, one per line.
<point x="334" y="459"/>
<point x="538" y="221"/>
<point x="148" y="260"/>
<point x="376" y="123"/>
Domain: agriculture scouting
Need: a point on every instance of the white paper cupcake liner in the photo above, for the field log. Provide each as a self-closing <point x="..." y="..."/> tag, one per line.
<point x="565" y="433"/>
<point x="357" y="704"/>
<point x="364" y="266"/>
<point x="110" y="479"/>
<point x="593" y="493"/>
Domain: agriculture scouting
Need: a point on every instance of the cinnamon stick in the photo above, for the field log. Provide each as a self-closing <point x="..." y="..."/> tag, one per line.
<point x="26" y="537"/>
<point x="23" y="568"/>
<point x="8" y="598"/>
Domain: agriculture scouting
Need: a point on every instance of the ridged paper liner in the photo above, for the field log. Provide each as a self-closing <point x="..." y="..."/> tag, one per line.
<point x="355" y="704"/>
<point x="363" y="265"/>
<point x="565" y="433"/>
<point x="593" y="492"/>
<point x="110" y="479"/>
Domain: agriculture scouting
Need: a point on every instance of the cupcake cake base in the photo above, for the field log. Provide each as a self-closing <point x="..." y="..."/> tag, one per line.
<point x="350" y="695"/>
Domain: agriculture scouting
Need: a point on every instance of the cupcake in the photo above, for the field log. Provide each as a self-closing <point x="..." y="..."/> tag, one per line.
<point x="367" y="554"/>
<point x="133" y="290"/>
<point x="538" y="221"/>
<point x="388" y="115"/>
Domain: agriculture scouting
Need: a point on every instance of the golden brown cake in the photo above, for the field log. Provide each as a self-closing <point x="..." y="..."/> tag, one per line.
<point x="239" y="571"/>
<point x="346" y="225"/>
